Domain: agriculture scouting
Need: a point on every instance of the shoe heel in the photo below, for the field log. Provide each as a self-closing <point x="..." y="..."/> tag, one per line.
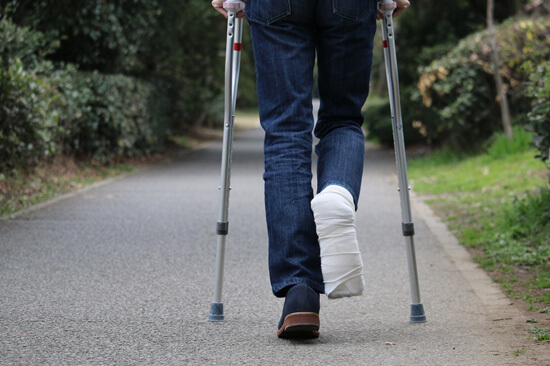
<point x="300" y="325"/>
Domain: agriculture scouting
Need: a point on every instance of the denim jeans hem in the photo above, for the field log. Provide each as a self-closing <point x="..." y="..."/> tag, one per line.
<point x="280" y="290"/>
<point x="355" y="195"/>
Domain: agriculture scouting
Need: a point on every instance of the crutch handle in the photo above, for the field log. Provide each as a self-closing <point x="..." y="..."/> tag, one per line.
<point x="387" y="5"/>
<point x="234" y="5"/>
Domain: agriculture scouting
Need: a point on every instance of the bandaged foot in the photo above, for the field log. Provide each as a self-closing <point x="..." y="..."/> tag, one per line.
<point x="341" y="262"/>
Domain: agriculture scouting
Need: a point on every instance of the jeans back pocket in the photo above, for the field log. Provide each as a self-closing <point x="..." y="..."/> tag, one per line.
<point x="268" y="11"/>
<point x="353" y="9"/>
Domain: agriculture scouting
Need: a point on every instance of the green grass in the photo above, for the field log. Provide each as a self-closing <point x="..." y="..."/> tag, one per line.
<point x="479" y="174"/>
<point x="497" y="203"/>
<point x="502" y="147"/>
<point x="519" y="352"/>
<point x="540" y="334"/>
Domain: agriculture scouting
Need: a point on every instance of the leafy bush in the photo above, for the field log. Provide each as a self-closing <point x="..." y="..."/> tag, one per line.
<point x="108" y="116"/>
<point x="428" y="31"/>
<point x="523" y="229"/>
<point x="530" y="216"/>
<point x="28" y="127"/>
<point x="180" y="43"/>
<point x="24" y="44"/>
<point x="501" y="146"/>
<point x="187" y="51"/>
<point x="108" y="78"/>
<point x="28" y="120"/>
<point x="47" y="106"/>
<point x="109" y="36"/>
<point x="539" y="117"/>
<point x="459" y="87"/>
<point x="379" y="124"/>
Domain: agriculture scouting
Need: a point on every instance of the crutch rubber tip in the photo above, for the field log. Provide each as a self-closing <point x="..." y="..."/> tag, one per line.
<point x="417" y="313"/>
<point x="216" y="312"/>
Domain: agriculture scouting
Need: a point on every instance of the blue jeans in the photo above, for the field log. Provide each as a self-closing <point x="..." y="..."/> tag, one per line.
<point x="286" y="36"/>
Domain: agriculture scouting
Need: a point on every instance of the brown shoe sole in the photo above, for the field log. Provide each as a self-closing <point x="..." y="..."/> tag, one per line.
<point x="300" y="325"/>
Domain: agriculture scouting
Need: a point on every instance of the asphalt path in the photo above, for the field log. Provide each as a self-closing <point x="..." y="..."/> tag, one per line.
<point x="123" y="275"/>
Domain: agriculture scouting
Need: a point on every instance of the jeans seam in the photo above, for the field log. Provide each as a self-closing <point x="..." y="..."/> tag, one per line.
<point x="347" y="16"/>
<point x="272" y="19"/>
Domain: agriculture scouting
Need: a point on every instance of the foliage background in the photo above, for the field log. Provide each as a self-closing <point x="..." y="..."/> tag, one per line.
<point x="104" y="79"/>
<point x="447" y="87"/>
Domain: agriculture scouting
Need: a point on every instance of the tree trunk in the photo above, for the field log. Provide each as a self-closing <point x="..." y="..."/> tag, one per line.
<point x="503" y="100"/>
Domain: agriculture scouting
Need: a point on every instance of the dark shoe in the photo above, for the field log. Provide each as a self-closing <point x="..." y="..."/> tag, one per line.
<point x="300" y="317"/>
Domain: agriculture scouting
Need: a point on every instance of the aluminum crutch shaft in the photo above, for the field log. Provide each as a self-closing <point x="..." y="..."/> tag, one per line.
<point x="232" y="69"/>
<point x="387" y="7"/>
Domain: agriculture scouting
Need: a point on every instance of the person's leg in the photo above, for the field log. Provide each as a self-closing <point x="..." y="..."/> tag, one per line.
<point x="284" y="52"/>
<point x="344" y="44"/>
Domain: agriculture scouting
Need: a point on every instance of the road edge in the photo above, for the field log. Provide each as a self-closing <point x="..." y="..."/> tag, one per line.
<point x="503" y="316"/>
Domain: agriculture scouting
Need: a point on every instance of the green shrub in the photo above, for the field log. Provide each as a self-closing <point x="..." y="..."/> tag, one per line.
<point x="460" y="89"/>
<point x="187" y="51"/>
<point x="109" y="36"/>
<point x="501" y="146"/>
<point x="28" y="125"/>
<point x="379" y="123"/>
<point x="47" y="106"/>
<point x="28" y="119"/>
<point x="539" y="117"/>
<point x="109" y="116"/>
<point x="24" y="44"/>
<point x="530" y="216"/>
<point x="540" y="334"/>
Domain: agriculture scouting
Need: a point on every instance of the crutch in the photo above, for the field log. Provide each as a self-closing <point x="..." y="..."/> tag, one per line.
<point x="386" y="7"/>
<point x="232" y="69"/>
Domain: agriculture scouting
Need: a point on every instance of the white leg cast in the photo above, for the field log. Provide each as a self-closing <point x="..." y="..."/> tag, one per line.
<point x="341" y="262"/>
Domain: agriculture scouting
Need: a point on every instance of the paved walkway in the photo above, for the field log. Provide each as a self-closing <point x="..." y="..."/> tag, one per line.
<point x="123" y="275"/>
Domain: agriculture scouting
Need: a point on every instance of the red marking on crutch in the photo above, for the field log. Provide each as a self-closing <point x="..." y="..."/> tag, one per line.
<point x="385" y="43"/>
<point x="237" y="46"/>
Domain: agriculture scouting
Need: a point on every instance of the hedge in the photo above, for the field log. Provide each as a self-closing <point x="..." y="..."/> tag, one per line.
<point x="539" y="117"/>
<point x="29" y="127"/>
<point x="459" y="88"/>
<point x="48" y="108"/>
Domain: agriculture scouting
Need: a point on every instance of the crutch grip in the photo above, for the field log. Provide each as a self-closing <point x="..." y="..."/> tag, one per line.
<point x="387" y="5"/>
<point x="234" y="6"/>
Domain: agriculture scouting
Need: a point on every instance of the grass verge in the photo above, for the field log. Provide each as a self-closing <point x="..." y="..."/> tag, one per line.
<point x="498" y="206"/>
<point x="21" y="189"/>
<point x="61" y="174"/>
